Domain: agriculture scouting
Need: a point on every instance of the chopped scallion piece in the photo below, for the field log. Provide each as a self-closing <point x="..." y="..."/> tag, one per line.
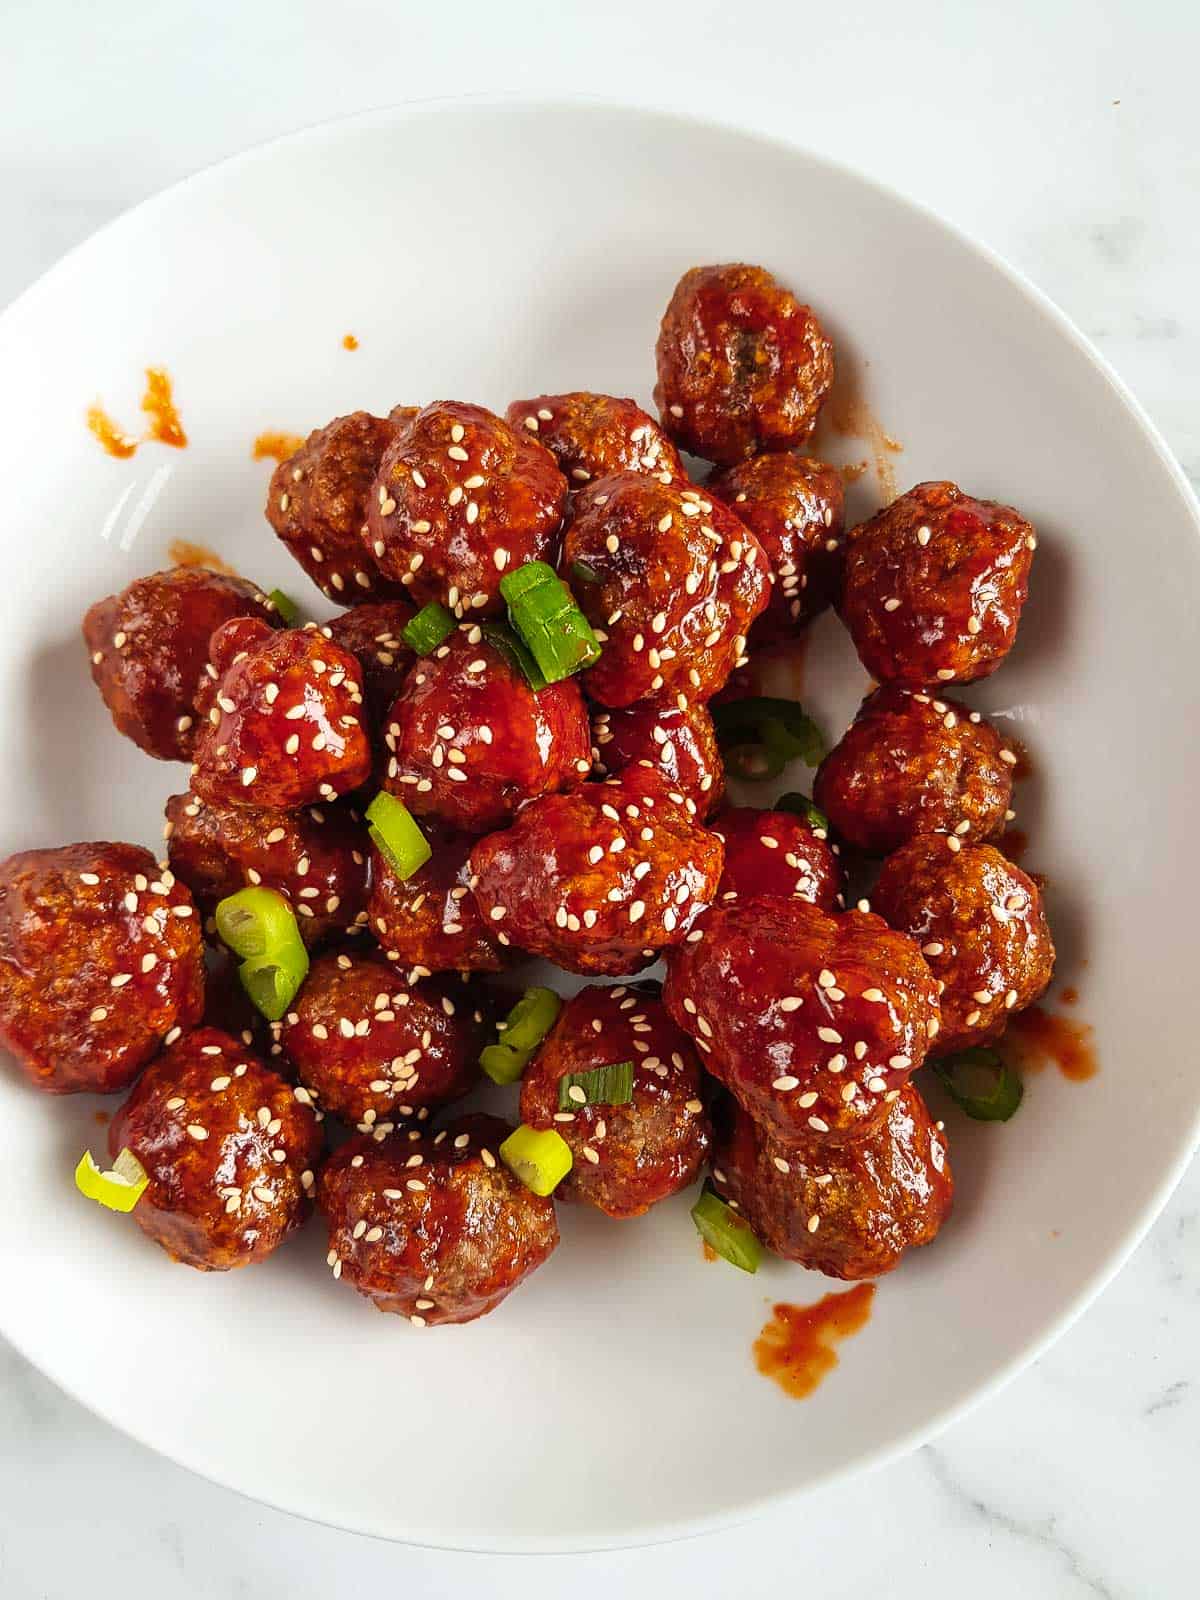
<point x="273" y="981"/>
<point x="981" y="1083"/>
<point x="260" y="926"/>
<point x="729" y="1235"/>
<point x="502" y="638"/>
<point x="396" y="836"/>
<point x="584" y="572"/>
<point x="541" y="1160"/>
<point x="760" y="735"/>
<point x="543" y="611"/>
<point x="429" y="628"/>
<point x="286" y="607"/>
<point x="801" y="806"/>
<point x="526" y="1025"/>
<point x="603" y="1086"/>
<point x="120" y="1189"/>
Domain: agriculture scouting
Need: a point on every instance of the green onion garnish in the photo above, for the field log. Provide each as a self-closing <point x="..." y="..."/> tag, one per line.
<point x="260" y="926"/>
<point x="603" y="1086"/>
<point x="120" y="1189"/>
<point x="730" y="1236"/>
<point x="540" y="1160"/>
<point x="396" y="836"/>
<point x="980" y="1083"/>
<point x="501" y="637"/>
<point x="526" y="1025"/>
<point x="585" y="572"/>
<point x="801" y="806"/>
<point x="543" y="611"/>
<point x="431" y="625"/>
<point x="286" y="607"/>
<point x="760" y="735"/>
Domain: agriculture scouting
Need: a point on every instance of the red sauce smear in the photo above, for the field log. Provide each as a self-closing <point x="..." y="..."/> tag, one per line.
<point x="1024" y="765"/>
<point x="276" y="446"/>
<point x="112" y="438"/>
<point x="101" y="1118"/>
<point x="185" y="554"/>
<point x="349" y="342"/>
<point x="1070" y="996"/>
<point x="850" y="415"/>
<point x="709" y="1253"/>
<point x="796" y="1346"/>
<point x="1038" y="1037"/>
<point x="159" y="405"/>
<point x="1014" y="842"/>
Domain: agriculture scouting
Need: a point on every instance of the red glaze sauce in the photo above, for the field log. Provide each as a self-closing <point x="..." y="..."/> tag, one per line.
<point x="185" y="554"/>
<point x="1038" y="1037"/>
<point x="276" y="446"/>
<point x="159" y="405"/>
<point x="1070" y="995"/>
<point x="111" y="438"/>
<point x="1014" y="842"/>
<point x="796" y="1347"/>
<point x="349" y="342"/>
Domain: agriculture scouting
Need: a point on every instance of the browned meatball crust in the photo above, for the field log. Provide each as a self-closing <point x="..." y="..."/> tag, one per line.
<point x="591" y="435"/>
<point x="776" y="852"/>
<point x="680" y="742"/>
<point x="429" y="922"/>
<point x="374" y="633"/>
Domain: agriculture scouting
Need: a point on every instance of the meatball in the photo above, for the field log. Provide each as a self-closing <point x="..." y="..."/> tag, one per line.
<point x="470" y="740"/>
<point x="374" y="633"/>
<point x="813" y="1022"/>
<point x="229" y="1149"/>
<point x="676" y="582"/>
<point x="101" y="956"/>
<point x="373" y="1051"/>
<point x="317" y="504"/>
<point x="742" y="365"/>
<point x="286" y="728"/>
<point x="149" y="647"/>
<point x="591" y="435"/>
<point x="910" y="763"/>
<point x="850" y="1210"/>
<point x="626" y="1157"/>
<point x="434" y="1227"/>
<point x="461" y="498"/>
<point x="776" y="853"/>
<point x="794" y="507"/>
<point x="430" y="923"/>
<point x="680" y="742"/>
<point x="934" y="586"/>
<point x="981" y="926"/>
<point x="600" y="880"/>
<point x="316" y="857"/>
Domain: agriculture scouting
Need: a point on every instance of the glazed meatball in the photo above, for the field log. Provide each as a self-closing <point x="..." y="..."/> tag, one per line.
<point x="591" y="435"/>
<point x="910" y="763"/>
<point x="470" y="740"/>
<point x="434" y="1227"/>
<point x="286" y="726"/>
<point x="100" y="957"/>
<point x="776" y="853"/>
<point x="429" y="922"/>
<point x="374" y="633"/>
<point x="742" y="365"/>
<point x="315" y="857"/>
<point x="600" y="880"/>
<point x="794" y="507"/>
<point x="229" y="1148"/>
<point x="676" y="581"/>
<point x="850" y="1210"/>
<point x="813" y="1022"/>
<point x="626" y="1157"/>
<point x="317" y="504"/>
<point x="981" y="926"/>
<point x="373" y="1051"/>
<point x="678" y="742"/>
<point x="149" y="647"/>
<point x="461" y="499"/>
<point x="934" y="586"/>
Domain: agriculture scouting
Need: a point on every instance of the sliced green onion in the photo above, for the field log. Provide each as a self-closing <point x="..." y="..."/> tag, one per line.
<point x="543" y="611"/>
<point x="540" y="1160"/>
<point x="273" y="981"/>
<point x="731" y="1236"/>
<point x="585" y="572"/>
<point x="526" y="1025"/>
<point x="801" y="806"/>
<point x="981" y="1083"/>
<point x="502" y="638"/>
<point x="429" y="628"/>
<point x="286" y="607"/>
<point x="603" y="1086"/>
<point x="260" y="926"/>
<point x="760" y="735"/>
<point x="396" y="836"/>
<point x="120" y="1189"/>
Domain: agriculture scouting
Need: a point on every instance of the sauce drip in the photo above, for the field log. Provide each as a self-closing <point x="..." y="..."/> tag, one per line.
<point x="1024" y="765"/>
<point x="1070" y="995"/>
<point x="101" y="1118"/>
<point x="709" y="1253"/>
<point x="853" y="471"/>
<point x="852" y="417"/>
<point x="276" y="446"/>
<point x="349" y="342"/>
<point x="796" y="1347"/>
<point x="1014" y="842"/>
<point x="185" y="554"/>
<point x="1038" y="1036"/>
<point x="112" y="439"/>
<point x="159" y="405"/>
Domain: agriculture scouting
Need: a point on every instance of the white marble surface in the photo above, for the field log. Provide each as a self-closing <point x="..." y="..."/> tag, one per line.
<point x="1064" y="134"/>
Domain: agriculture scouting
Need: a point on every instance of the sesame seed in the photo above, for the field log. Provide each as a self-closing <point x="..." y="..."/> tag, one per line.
<point x="786" y="1082"/>
<point x="829" y="1035"/>
<point x="817" y="1125"/>
<point x="196" y="1132"/>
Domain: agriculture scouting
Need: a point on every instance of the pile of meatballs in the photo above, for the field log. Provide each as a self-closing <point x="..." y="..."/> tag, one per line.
<point x="584" y="822"/>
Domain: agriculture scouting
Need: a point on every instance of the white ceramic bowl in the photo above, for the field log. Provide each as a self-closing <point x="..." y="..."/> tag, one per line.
<point x="485" y="251"/>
